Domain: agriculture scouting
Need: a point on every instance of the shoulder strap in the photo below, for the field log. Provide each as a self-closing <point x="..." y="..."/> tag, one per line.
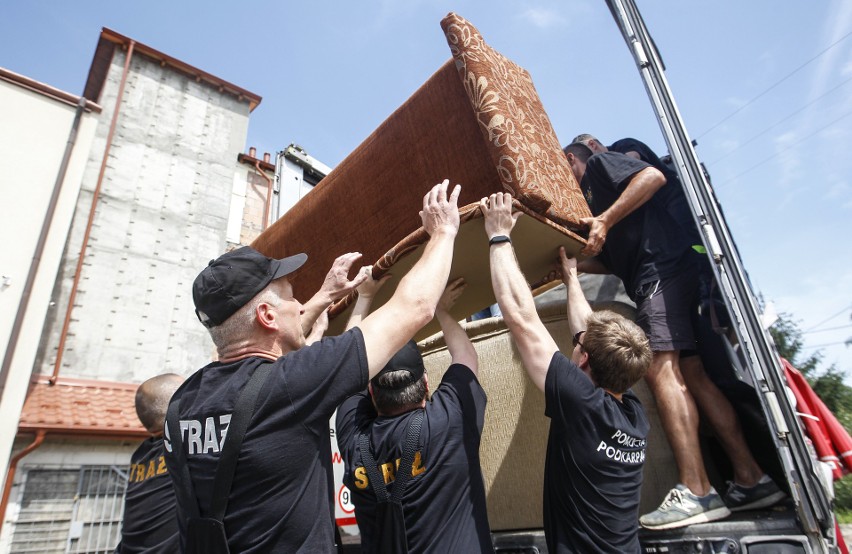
<point x="403" y="473"/>
<point x="243" y="410"/>
<point x="377" y="480"/>
<point x="184" y="490"/>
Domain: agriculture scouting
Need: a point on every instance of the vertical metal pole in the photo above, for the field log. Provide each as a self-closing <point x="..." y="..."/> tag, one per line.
<point x="758" y="353"/>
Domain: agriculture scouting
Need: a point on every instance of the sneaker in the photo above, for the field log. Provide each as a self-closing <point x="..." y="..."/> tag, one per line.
<point x="762" y="495"/>
<point x="681" y="508"/>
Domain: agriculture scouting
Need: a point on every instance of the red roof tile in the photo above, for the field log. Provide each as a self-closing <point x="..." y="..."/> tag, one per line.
<point x="81" y="407"/>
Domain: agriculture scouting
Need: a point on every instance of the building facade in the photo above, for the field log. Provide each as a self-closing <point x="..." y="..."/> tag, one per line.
<point x="156" y="185"/>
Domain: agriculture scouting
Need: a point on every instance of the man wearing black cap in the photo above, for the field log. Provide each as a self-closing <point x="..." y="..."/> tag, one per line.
<point x="280" y="499"/>
<point x="444" y="499"/>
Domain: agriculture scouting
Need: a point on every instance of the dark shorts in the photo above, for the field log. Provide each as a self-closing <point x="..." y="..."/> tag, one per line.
<point x="664" y="310"/>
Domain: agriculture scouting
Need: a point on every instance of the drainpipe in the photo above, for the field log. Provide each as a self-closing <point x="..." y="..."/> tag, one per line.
<point x="268" y="203"/>
<point x="39" y="250"/>
<point x="10" y="474"/>
<point x="95" y="195"/>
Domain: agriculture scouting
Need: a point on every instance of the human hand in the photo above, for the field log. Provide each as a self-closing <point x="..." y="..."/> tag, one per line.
<point x="497" y="210"/>
<point x="597" y="235"/>
<point x="441" y="213"/>
<point x="567" y="265"/>
<point x="337" y="284"/>
<point x="369" y="287"/>
<point x="451" y="294"/>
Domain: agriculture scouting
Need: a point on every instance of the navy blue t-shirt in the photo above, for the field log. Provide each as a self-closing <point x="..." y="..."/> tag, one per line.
<point x="645" y="246"/>
<point x="444" y="502"/>
<point x="281" y="498"/>
<point x="593" y="466"/>
<point x="150" y="523"/>
<point x="672" y="194"/>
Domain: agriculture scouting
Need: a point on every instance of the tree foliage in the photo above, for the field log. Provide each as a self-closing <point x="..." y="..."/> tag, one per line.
<point x="828" y="385"/>
<point x="788" y="339"/>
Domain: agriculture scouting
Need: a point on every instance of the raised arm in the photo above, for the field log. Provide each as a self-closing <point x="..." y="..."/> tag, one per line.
<point x="578" y="307"/>
<point x="366" y="292"/>
<point x="412" y="306"/>
<point x="639" y="190"/>
<point x="534" y="342"/>
<point x="335" y="286"/>
<point x="458" y="343"/>
<point x="319" y="328"/>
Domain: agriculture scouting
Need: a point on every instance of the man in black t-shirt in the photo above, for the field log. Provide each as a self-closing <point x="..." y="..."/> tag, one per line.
<point x="633" y="235"/>
<point x="444" y="502"/>
<point x="281" y="498"/>
<point x="598" y="429"/>
<point x="150" y="522"/>
<point x="671" y="195"/>
<point x="750" y="488"/>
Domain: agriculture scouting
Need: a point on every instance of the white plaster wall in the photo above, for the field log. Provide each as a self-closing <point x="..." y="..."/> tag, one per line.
<point x="33" y="137"/>
<point x="162" y="214"/>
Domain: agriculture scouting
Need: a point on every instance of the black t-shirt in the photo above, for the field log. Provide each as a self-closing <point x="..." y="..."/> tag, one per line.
<point x="150" y="523"/>
<point x="647" y="244"/>
<point x="281" y="498"/>
<point x="672" y="194"/>
<point x="593" y="468"/>
<point x="444" y="502"/>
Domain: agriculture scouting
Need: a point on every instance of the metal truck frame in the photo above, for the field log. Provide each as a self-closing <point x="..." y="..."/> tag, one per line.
<point x="753" y="354"/>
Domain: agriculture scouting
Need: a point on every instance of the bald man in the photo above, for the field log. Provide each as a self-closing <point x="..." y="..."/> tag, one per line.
<point x="150" y="522"/>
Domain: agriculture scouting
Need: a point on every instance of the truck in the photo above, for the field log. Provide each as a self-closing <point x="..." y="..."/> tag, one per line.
<point x="748" y="369"/>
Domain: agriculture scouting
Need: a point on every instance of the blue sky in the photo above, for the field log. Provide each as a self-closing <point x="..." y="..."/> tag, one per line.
<point x="763" y="86"/>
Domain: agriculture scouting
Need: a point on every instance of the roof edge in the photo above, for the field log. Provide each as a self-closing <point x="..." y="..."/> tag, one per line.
<point x="47" y="90"/>
<point x="80" y="382"/>
<point x="97" y="74"/>
<point x="84" y="432"/>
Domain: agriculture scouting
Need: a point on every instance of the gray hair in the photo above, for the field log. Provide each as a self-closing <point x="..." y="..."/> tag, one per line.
<point x="239" y="326"/>
<point x="585" y="138"/>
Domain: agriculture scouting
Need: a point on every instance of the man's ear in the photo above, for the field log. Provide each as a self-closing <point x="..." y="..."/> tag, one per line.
<point x="584" y="361"/>
<point x="265" y="316"/>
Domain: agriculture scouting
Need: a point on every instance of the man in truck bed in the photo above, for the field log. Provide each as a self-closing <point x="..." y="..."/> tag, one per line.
<point x="633" y="235"/>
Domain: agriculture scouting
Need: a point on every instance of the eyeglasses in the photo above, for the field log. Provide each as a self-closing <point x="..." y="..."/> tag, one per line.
<point x="575" y="340"/>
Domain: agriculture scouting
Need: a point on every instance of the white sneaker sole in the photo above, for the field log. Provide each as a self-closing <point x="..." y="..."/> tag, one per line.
<point x="703" y="517"/>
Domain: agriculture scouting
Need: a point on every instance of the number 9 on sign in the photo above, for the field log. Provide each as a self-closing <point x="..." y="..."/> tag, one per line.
<point x="344" y="500"/>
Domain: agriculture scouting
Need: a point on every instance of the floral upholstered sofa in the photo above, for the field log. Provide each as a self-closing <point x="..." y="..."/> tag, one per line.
<point x="477" y="121"/>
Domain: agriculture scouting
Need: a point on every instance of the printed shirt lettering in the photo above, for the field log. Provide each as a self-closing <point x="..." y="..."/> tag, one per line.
<point x="202" y="436"/>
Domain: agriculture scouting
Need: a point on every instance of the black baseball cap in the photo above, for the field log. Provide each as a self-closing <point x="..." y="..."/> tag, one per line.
<point x="231" y="280"/>
<point x="408" y="359"/>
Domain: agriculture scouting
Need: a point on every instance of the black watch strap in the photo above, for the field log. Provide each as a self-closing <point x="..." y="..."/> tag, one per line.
<point x="497" y="239"/>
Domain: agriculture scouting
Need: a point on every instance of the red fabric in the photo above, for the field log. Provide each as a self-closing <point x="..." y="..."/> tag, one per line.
<point x="841" y="542"/>
<point x="831" y="441"/>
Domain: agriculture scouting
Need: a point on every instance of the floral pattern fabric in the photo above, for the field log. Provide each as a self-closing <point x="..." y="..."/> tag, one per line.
<point x="523" y="145"/>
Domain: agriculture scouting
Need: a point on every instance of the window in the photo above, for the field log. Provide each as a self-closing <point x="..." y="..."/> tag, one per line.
<point x="71" y="510"/>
